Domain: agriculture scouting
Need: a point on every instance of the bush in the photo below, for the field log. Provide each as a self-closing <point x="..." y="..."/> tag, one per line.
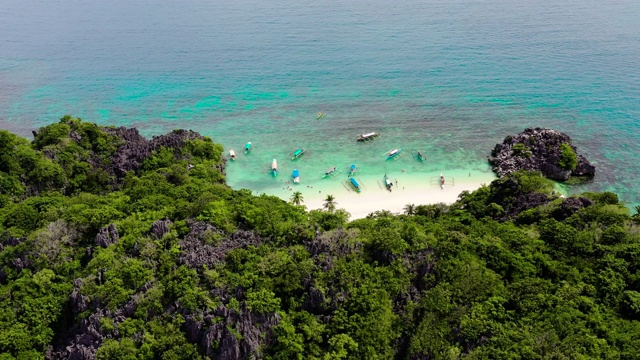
<point x="568" y="158"/>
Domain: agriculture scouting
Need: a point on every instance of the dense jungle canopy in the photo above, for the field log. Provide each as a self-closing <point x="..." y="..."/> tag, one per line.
<point x="113" y="246"/>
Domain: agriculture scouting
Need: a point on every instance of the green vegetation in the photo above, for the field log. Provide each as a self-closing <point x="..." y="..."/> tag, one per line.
<point x="170" y="263"/>
<point x="568" y="158"/>
<point x="520" y="149"/>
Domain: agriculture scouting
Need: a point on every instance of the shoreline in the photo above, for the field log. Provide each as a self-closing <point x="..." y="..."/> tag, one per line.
<point x="417" y="189"/>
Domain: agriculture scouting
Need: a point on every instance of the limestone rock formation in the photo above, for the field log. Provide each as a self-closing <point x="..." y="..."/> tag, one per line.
<point x="539" y="150"/>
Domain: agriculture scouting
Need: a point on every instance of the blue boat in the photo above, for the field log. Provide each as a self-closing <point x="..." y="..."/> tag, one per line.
<point x="296" y="176"/>
<point x="352" y="169"/>
<point x="355" y="184"/>
<point x="247" y="147"/>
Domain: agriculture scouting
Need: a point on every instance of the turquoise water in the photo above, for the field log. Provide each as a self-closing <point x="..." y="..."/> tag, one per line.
<point x="449" y="77"/>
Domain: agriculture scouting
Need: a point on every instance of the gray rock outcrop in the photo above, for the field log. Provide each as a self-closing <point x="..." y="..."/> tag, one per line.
<point x="539" y="150"/>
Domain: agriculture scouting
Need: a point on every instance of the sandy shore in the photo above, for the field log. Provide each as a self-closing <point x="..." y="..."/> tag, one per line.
<point x="410" y="189"/>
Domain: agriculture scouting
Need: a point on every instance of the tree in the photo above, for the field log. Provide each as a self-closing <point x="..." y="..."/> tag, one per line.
<point x="296" y="198"/>
<point x="409" y="209"/>
<point x="330" y="203"/>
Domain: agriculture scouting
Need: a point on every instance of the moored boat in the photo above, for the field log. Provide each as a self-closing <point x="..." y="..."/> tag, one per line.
<point x="352" y="169"/>
<point x="393" y="153"/>
<point x="247" y="147"/>
<point x="421" y="156"/>
<point x="330" y="171"/>
<point x="297" y="154"/>
<point x="367" y="136"/>
<point x="274" y="167"/>
<point x="387" y="182"/>
<point x="232" y="154"/>
<point x="354" y="183"/>
<point x="296" y="176"/>
<point x="320" y="115"/>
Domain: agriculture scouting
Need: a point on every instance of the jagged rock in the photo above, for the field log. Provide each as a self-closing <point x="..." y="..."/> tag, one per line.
<point x="107" y="235"/>
<point x="314" y="303"/>
<point x="252" y="332"/>
<point x="200" y="246"/>
<point x="160" y="227"/>
<point x="79" y="303"/>
<point x="541" y="152"/>
<point x="571" y="206"/>
<point x="136" y="149"/>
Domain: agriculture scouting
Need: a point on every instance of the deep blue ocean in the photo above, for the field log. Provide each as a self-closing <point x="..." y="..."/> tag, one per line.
<point x="449" y="77"/>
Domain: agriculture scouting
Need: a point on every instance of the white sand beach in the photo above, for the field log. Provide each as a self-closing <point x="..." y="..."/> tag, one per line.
<point x="410" y="189"/>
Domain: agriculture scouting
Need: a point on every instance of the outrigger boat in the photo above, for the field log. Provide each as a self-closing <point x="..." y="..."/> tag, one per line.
<point x="296" y="176"/>
<point x="352" y="169"/>
<point x="420" y="156"/>
<point x="355" y="184"/>
<point x="387" y="182"/>
<point x="391" y="154"/>
<point x="368" y="136"/>
<point x="274" y="167"/>
<point x="232" y="154"/>
<point x="247" y="147"/>
<point x="320" y="115"/>
<point x="297" y="154"/>
<point x="330" y="171"/>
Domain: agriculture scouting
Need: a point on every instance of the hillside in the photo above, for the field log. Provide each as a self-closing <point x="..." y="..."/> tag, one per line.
<point x="117" y="247"/>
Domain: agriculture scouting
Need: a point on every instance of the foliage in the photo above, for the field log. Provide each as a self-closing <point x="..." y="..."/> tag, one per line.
<point x="494" y="275"/>
<point x="568" y="158"/>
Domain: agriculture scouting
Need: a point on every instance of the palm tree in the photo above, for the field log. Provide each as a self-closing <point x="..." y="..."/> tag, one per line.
<point x="330" y="203"/>
<point x="409" y="209"/>
<point x="296" y="198"/>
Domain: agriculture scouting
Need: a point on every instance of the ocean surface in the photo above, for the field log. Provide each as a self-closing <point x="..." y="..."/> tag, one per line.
<point x="448" y="77"/>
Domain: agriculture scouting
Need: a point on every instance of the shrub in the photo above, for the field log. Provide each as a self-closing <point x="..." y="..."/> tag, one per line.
<point x="568" y="158"/>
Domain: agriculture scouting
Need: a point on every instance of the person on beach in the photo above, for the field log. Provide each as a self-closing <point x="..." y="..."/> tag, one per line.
<point x="441" y="182"/>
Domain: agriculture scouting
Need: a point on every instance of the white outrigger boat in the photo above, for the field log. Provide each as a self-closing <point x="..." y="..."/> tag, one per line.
<point x="392" y="154"/>
<point x="387" y="182"/>
<point x="274" y="167"/>
<point x="367" y="136"/>
<point x="232" y="154"/>
<point x="331" y="171"/>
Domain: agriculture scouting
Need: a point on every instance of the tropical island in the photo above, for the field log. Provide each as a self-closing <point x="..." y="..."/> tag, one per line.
<point x="113" y="246"/>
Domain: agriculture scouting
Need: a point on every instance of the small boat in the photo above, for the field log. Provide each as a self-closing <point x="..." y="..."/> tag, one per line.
<point x="420" y="156"/>
<point x="352" y="169"/>
<point x="330" y="171"/>
<point x="387" y="182"/>
<point x="274" y="167"/>
<point x="297" y="154"/>
<point x="320" y="115"/>
<point x="296" y="176"/>
<point x="393" y="153"/>
<point x="232" y="154"/>
<point x="354" y="183"/>
<point x="368" y="136"/>
<point x="247" y="147"/>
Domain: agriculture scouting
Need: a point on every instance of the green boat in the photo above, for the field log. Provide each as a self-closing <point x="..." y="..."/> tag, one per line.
<point x="297" y="154"/>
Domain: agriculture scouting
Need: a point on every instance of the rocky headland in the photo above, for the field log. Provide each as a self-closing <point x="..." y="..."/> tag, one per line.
<point x="549" y="151"/>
